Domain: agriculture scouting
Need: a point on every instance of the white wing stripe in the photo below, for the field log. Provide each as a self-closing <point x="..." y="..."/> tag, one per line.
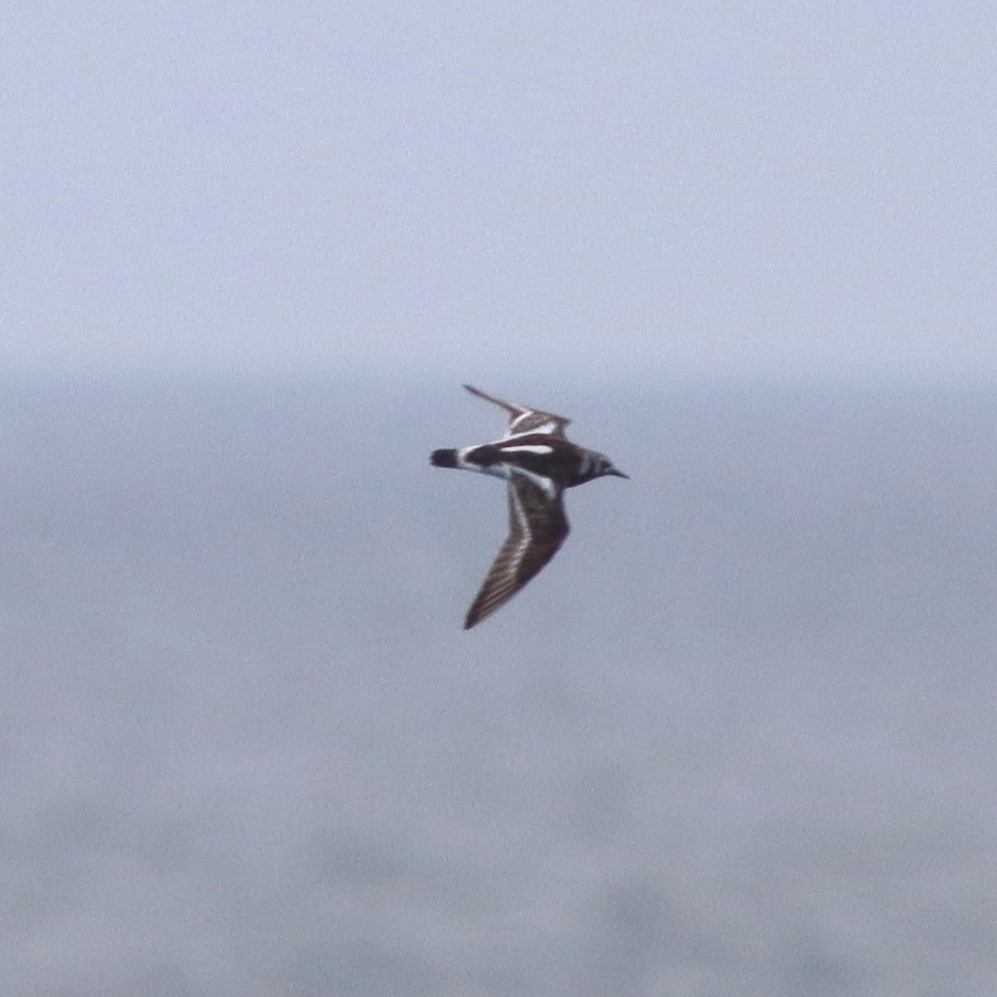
<point x="529" y="448"/>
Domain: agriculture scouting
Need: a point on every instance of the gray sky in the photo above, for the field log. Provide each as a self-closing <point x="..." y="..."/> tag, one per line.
<point x="481" y="191"/>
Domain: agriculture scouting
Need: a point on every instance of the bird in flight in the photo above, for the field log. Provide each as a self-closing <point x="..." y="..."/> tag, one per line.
<point x="538" y="462"/>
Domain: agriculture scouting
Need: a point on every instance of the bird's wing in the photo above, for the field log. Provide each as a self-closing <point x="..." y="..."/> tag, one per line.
<point x="526" y="420"/>
<point x="537" y="528"/>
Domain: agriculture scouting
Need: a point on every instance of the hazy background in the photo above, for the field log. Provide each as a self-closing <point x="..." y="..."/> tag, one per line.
<point x="738" y="738"/>
<point x="481" y="189"/>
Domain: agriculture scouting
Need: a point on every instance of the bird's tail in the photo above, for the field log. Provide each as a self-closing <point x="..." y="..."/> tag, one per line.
<point x="443" y="458"/>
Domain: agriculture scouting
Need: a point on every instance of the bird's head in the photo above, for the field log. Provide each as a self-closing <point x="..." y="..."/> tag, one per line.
<point x="602" y="465"/>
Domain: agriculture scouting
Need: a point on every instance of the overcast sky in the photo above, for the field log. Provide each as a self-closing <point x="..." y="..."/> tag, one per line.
<point x="481" y="190"/>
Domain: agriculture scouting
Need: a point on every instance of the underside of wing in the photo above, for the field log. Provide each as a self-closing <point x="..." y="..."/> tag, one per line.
<point x="537" y="528"/>
<point x="526" y="420"/>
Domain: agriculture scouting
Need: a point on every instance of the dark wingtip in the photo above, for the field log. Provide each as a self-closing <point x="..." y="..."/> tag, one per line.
<point x="474" y="617"/>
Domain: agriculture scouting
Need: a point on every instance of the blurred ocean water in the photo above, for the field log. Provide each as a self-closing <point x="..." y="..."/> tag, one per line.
<point x="738" y="738"/>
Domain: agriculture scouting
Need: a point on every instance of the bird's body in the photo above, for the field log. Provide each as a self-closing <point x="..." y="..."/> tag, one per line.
<point x="539" y="463"/>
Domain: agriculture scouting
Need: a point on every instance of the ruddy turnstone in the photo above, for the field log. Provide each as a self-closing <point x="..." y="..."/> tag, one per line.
<point x="538" y="462"/>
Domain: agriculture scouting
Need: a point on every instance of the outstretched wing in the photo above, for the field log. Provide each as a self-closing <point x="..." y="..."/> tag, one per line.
<point x="526" y="420"/>
<point x="537" y="528"/>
